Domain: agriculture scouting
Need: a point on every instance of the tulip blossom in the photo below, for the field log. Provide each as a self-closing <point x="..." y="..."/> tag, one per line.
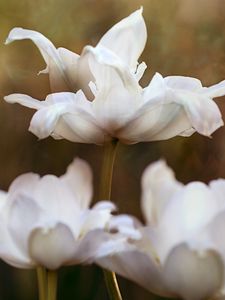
<point x="181" y="252"/>
<point x="47" y="221"/>
<point x="110" y="103"/>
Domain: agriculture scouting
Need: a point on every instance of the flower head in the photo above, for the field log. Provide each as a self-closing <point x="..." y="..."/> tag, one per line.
<point x="110" y="103"/>
<point x="47" y="221"/>
<point x="181" y="252"/>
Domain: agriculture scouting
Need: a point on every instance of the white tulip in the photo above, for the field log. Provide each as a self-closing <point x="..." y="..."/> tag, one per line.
<point x="47" y="221"/>
<point x="111" y="104"/>
<point x="182" y="249"/>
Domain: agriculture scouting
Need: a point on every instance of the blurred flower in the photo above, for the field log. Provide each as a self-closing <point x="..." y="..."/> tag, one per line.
<point x="182" y="249"/>
<point x="47" y="221"/>
<point x="111" y="103"/>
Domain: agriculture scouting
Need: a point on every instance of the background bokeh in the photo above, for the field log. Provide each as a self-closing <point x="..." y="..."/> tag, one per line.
<point x="185" y="37"/>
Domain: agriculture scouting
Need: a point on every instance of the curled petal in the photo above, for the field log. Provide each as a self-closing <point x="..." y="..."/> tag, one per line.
<point x="44" y="120"/>
<point x="55" y="65"/>
<point x="203" y="113"/>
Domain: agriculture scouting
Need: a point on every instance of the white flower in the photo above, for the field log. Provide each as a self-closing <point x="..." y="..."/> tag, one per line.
<point x="182" y="249"/>
<point x="47" y="221"/>
<point x="111" y="103"/>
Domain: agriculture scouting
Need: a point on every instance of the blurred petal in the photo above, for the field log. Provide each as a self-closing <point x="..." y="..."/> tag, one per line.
<point x="180" y="222"/>
<point x="78" y="178"/>
<point x="127" y="38"/>
<point x="192" y="275"/>
<point x="89" y="246"/>
<point x="22" y="208"/>
<point x="52" y="247"/>
<point x="158" y="186"/>
<point x="24" y="184"/>
<point x="137" y="267"/>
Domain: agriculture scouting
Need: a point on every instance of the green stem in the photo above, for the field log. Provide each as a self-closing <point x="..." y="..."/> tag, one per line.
<point x="52" y="285"/>
<point x="105" y="194"/>
<point x="42" y="283"/>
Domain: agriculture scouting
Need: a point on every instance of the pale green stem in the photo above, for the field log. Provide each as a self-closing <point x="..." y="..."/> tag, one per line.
<point x="105" y="194"/>
<point x="52" y="285"/>
<point x="42" y="283"/>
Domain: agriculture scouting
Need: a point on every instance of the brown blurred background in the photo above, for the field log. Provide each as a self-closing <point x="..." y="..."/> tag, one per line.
<point x="185" y="37"/>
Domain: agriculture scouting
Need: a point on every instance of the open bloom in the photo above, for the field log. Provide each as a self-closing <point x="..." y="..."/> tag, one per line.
<point x="182" y="249"/>
<point x="111" y="103"/>
<point x="47" y="221"/>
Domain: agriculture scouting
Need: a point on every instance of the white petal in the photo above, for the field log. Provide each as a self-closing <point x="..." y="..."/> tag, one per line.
<point x="24" y="212"/>
<point x="102" y="62"/>
<point x="25" y="101"/>
<point x="78" y="178"/>
<point x="185" y="216"/>
<point x="10" y="252"/>
<point x="216" y="90"/>
<point x="127" y="38"/>
<point x="105" y="206"/>
<point x="137" y="267"/>
<point x="218" y="188"/>
<point x="183" y="83"/>
<point x="24" y="184"/>
<point x="158" y="186"/>
<point x="126" y="225"/>
<point x="89" y="246"/>
<point x="52" y="247"/>
<point x="44" y="120"/>
<point x="192" y="275"/>
<point x="203" y="112"/>
<point x="58" y="201"/>
<point x="55" y="65"/>
<point x="155" y="122"/>
<point x="95" y="218"/>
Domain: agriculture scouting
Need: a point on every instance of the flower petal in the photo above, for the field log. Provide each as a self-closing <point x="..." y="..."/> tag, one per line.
<point x="154" y="197"/>
<point x="127" y="38"/>
<point x="25" y="100"/>
<point x="24" y="208"/>
<point x="78" y="178"/>
<point x="137" y="267"/>
<point x="202" y="111"/>
<point x="55" y="66"/>
<point x="52" y="247"/>
<point x="180" y="222"/>
<point x="216" y="90"/>
<point x="192" y="275"/>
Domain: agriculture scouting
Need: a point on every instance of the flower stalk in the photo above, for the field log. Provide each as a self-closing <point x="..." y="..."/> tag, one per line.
<point x="47" y="284"/>
<point x="52" y="285"/>
<point x="42" y="282"/>
<point x="105" y="194"/>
